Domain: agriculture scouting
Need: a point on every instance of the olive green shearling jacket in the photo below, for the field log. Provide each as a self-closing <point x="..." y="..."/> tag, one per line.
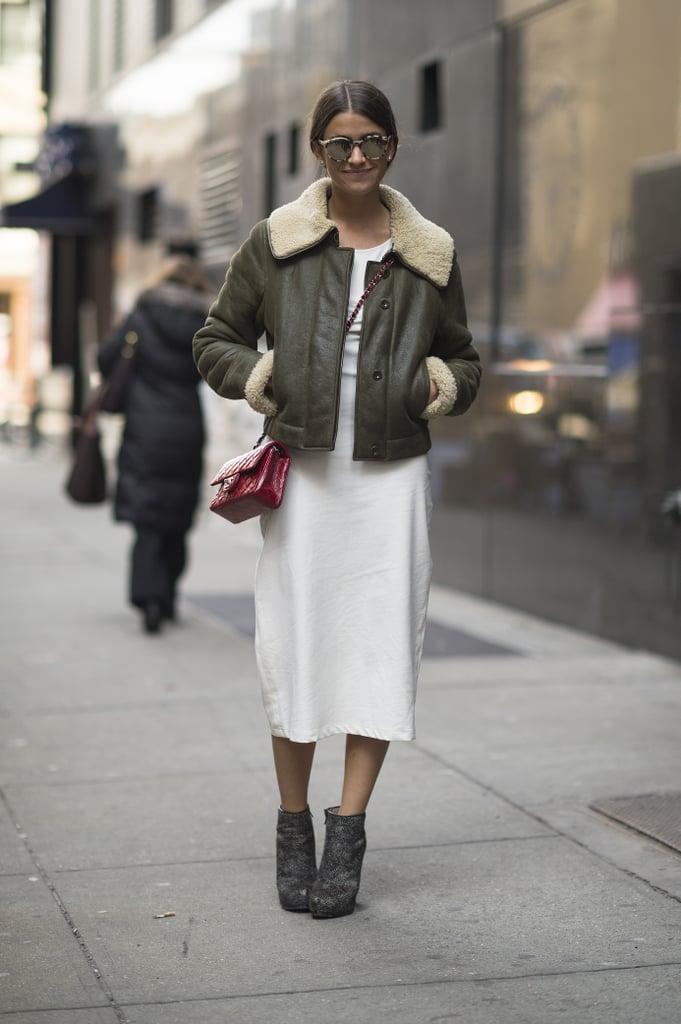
<point x="290" y="281"/>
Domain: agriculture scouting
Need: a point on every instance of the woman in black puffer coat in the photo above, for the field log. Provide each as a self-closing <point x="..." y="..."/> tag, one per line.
<point x="160" y="458"/>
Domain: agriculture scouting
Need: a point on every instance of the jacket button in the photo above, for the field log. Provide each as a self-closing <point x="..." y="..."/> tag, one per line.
<point x="375" y="451"/>
<point x="385" y="304"/>
<point x="377" y="375"/>
<point x="386" y="274"/>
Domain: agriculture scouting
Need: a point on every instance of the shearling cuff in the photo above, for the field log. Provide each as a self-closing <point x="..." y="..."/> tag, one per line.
<point x="259" y="377"/>
<point x="443" y="403"/>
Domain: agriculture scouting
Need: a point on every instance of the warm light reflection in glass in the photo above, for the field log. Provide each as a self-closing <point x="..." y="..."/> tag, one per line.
<point x="576" y="427"/>
<point x="531" y="365"/>
<point x="526" y="403"/>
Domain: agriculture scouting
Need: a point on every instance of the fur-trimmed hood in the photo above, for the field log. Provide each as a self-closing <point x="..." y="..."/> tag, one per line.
<point x="421" y="245"/>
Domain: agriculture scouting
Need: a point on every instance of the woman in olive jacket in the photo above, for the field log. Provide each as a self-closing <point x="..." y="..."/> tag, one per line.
<point x="360" y="301"/>
<point x="290" y="280"/>
<point x="160" y="457"/>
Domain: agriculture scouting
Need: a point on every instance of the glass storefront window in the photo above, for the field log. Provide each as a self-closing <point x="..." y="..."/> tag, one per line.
<point x="573" y="486"/>
<point x="568" y="347"/>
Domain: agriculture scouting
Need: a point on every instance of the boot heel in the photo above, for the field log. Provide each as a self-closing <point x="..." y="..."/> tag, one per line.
<point x="335" y="892"/>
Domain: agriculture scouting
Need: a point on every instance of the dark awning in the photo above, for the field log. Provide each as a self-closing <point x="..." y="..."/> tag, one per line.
<point x="60" y="208"/>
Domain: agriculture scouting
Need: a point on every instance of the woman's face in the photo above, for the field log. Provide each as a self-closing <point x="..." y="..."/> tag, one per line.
<point x="357" y="175"/>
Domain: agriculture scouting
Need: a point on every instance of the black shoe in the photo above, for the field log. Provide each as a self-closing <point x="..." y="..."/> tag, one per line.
<point x="335" y="891"/>
<point x="296" y="864"/>
<point x="152" y="617"/>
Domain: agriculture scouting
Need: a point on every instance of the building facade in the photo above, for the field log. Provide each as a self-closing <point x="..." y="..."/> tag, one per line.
<point x="23" y="355"/>
<point x="546" y="137"/>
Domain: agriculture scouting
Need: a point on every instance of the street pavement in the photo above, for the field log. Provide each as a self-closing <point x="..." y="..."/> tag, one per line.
<point x="138" y="808"/>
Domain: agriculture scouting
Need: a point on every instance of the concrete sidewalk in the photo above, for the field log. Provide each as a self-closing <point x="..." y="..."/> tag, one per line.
<point x="136" y="782"/>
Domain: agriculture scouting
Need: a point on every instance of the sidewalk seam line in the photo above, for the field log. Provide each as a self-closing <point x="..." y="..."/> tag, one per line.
<point x="557" y="831"/>
<point x="75" y="931"/>
<point x="409" y="984"/>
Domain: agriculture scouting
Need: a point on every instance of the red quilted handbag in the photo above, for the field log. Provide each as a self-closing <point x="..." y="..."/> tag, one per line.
<point x="252" y="483"/>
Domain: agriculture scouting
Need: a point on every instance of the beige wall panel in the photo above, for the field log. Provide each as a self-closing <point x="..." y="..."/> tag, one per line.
<point x="600" y="91"/>
<point x="71" y="43"/>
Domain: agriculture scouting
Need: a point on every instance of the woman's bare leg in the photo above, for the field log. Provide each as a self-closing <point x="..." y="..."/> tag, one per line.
<point x="293" y="764"/>
<point x="296" y="859"/>
<point x="364" y="758"/>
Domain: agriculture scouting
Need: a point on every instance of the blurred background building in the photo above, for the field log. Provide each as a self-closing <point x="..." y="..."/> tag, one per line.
<point x="546" y="136"/>
<point x="23" y="351"/>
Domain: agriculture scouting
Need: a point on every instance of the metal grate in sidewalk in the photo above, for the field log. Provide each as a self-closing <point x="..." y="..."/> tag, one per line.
<point x="441" y="641"/>
<point x="657" y="815"/>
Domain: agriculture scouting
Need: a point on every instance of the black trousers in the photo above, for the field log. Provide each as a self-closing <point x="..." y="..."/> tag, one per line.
<point x="157" y="562"/>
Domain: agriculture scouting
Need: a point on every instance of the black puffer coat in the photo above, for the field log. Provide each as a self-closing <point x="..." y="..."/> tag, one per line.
<point x="160" y="459"/>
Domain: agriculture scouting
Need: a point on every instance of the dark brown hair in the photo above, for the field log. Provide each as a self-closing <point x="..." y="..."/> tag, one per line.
<point x="355" y="97"/>
<point x="184" y="270"/>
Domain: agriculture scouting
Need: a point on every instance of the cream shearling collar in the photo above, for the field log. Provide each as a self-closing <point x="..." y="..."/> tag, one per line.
<point x="420" y="244"/>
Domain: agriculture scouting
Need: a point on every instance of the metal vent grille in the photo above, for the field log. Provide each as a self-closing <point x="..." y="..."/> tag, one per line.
<point x="220" y="203"/>
<point x="440" y="641"/>
<point x="657" y="815"/>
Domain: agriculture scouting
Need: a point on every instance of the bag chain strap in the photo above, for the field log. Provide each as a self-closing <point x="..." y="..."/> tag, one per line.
<point x="369" y="288"/>
<point x="386" y="265"/>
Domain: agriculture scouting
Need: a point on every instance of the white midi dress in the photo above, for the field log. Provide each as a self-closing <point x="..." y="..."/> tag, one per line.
<point x="342" y="582"/>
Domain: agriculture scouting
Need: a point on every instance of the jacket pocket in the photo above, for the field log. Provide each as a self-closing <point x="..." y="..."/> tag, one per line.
<point x="420" y="391"/>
